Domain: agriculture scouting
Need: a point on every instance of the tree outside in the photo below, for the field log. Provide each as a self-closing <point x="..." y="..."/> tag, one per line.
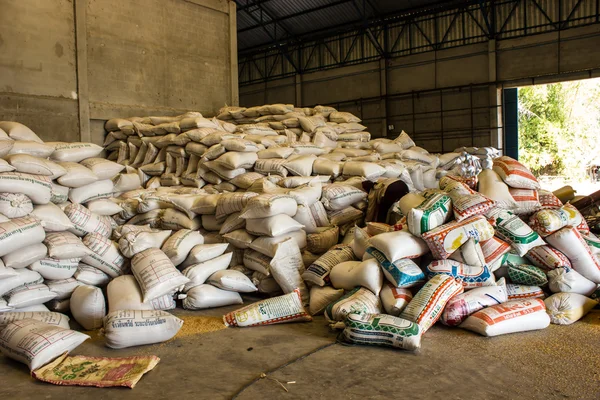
<point x="559" y="133"/>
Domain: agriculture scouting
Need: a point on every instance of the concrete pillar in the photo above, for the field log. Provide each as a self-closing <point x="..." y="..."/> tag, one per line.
<point x="495" y="99"/>
<point x="233" y="63"/>
<point x="298" y="90"/>
<point x="82" y="70"/>
<point x="383" y="94"/>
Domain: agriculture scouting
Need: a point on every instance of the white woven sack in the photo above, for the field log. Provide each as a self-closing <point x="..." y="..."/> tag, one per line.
<point x="35" y="165"/>
<point x="89" y="275"/>
<point x="570" y="242"/>
<point x="128" y="328"/>
<point x="287" y="267"/>
<point x="32" y="148"/>
<point x="88" y="306"/>
<point x="15" y="205"/>
<point x="53" y="218"/>
<point x="340" y="196"/>
<point x="349" y="274"/>
<point x="232" y="280"/>
<point x="124" y="293"/>
<point x="272" y="226"/>
<point x="268" y="205"/>
<point x="135" y="242"/>
<point x="63" y="288"/>
<point x="29" y="295"/>
<point x="156" y="274"/>
<point x="179" y="245"/>
<point x="567" y="308"/>
<point x="207" y="296"/>
<point x="268" y="245"/>
<point x="75" y="152"/>
<point x="77" y="175"/>
<point x="18" y="131"/>
<point x="65" y="245"/>
<point x="104" y="255"/>
<point x="104" y="207"/>
<point x="563" y="279"/>
<point x="37" y="187"/>
<point x="86" y="221"/>
<point x="19" y="233"/>
<point x="23" y="276"/>
<point x="50" y="268"/>
<point x="102" y="168"/>
<point x="50" y="318"/>
<point x="200" y="272"/>
<point x="20" y="341"/>
<point x="398" y="245"/>
<point x="97" y="190"/>
<point x="493" y="187"/>
<point x="369" y="170"/>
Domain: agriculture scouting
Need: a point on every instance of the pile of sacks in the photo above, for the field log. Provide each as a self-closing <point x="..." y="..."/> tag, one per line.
<point x="57" y="255"/>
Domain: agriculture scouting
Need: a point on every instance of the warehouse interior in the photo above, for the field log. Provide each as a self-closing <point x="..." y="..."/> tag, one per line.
<point x="445" y="72"/>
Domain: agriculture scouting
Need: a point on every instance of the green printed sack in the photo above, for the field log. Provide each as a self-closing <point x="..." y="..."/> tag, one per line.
<point x="382" y="330"/>
<point x="524" y="274"/>
<point x="431" y="213"/>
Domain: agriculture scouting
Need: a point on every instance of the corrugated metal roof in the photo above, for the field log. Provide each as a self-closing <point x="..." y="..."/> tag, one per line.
<point x="264" y="22"/>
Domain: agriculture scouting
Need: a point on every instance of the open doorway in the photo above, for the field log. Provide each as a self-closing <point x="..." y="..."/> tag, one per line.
<point x="559" y="133"/>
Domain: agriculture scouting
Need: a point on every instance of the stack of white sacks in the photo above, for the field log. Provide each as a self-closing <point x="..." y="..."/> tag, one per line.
<point x="56" y="251"/>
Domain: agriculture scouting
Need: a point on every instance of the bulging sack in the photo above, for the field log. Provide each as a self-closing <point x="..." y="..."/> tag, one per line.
<point x="382" y="330"/>
<point x="37" y="187"/>
<point x="88" y="306"/>
<point x="350" y="274"/>
<point x="321" y="297"/>
<point x="461" y="306"/>
<point x="394" y="299"/>
<point x="513" y="230"/>
<point x="515" y="174"/>
<point x="431" y="213"/>
<point x="15" y="205"/>
<point x="156" y="274"/>
<point x="19" y="233"/>
<point x="358" y="301"/>
<point x="50" y="318"/>
<point x="427" y="305"/>
<point x="566" y="308"/>
<point x="510" y="317"/>
<point x="570" y="242"/>
<point x="198" y="274"/>
<point x="35" y="343"/>
<point x="179" y="245"/>
<point x="563" y="279"/>
<point x="104" y="255"/>
<point x="318" y="272"/>
<point x="128" y="328"/>
<point x="207" y="296"/>
<point x="403" y="273"/>
<point x="446" y="239"/>
<point x="398" y="245"/>
<point x="124" y="293"/>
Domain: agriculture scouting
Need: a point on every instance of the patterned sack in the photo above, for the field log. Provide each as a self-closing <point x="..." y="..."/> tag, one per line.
<point x="469" y="276"/>
<point x="465" y="201"/>
<point x="382" y="330"/>
<point x="96" y="371"/>
<point x="401" y="273"/>
<point x="512" y="229"/>
<point x="547" y="258"/>
<point x="515" y="174"/>
<point x="427" y="305"/>
<point x="523" y="274"/>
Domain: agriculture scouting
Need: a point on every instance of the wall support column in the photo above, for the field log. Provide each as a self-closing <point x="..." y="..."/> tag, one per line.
<point x="495" y="99"/>
<point x="383" y="88"/>
<point x="298" y="90"/>
<point x="82" y="70"/>
<point x="233" y="57"/>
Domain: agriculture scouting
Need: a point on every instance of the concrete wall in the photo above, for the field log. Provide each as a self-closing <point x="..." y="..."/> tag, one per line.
<point x="445" y="98"/>
<point x="68" y="65"/>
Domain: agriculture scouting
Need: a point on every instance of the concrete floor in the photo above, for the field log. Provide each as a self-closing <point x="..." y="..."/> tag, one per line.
<point x="559" y="362"/>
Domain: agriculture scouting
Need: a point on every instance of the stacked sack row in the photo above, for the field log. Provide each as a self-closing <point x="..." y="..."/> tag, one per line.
<point x="57" y="255"/>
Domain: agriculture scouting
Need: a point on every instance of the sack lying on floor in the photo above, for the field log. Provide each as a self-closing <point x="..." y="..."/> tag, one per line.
<point x="21" y="341"/>
<point x="207" y="296"/>
<point x="461" y="306"/>
<point x="321" y="297"/>
<point x="382" y="330"/>
<point x="275" y="310"/>
<point x="510" y="317"/>
<point x="568" y="280"/>
<point x="128" y="328"/>
<point x="566" y="308"/>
